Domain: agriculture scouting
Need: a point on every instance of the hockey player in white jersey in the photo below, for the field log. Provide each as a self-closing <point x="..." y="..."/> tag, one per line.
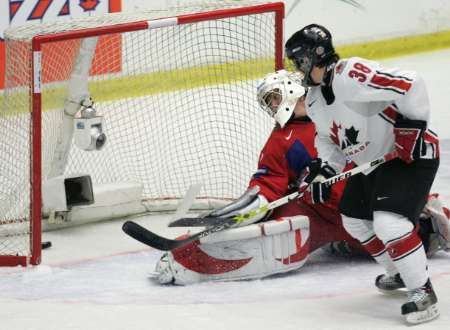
<point x="293" y="231"/>
<point x="363" y="111"/>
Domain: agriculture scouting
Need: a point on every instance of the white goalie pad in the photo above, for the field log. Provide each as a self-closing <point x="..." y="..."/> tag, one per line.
<point x="440" y="219"/>
<point x="249" y="252"/>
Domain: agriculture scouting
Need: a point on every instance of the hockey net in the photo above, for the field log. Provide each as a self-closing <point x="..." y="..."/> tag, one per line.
<point x="176" y="90"/>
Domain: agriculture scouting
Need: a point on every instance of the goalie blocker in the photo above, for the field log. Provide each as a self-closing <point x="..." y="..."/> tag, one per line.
<point x="248" y="252"/>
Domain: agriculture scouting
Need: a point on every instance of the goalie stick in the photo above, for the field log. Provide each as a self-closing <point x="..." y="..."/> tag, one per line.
<point x="212" y="221"/>
<point x="151" y="239"/>
<point x="196" y="221"/>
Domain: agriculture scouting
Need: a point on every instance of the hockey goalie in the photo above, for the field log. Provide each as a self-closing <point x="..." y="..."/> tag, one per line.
<point x="281" y="241"/>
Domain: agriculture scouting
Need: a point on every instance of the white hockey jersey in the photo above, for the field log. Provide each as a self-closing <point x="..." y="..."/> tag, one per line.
<point x="358" y="120"/>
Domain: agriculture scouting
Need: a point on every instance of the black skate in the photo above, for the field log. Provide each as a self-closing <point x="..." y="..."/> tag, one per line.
<point x="389" y="284"/>
<point x="421" y="306"/>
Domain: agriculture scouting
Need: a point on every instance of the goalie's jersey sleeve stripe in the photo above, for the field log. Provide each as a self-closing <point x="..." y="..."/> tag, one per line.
<point x="397" y="84"/>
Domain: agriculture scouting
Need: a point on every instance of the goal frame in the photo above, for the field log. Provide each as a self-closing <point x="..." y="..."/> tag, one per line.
<point x="36" y="97"/>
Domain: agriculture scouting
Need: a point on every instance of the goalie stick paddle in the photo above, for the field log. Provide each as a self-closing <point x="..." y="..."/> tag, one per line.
<point x="197" y="222"/>
<point x="151" y="239"/>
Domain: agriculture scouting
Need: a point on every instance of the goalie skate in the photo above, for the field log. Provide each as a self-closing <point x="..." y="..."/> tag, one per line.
<point x="421" y="306"/>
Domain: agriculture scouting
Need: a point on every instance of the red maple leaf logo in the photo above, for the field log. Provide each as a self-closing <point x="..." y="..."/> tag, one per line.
<point x="89" y="5"/>
<point x="334" y="135"/>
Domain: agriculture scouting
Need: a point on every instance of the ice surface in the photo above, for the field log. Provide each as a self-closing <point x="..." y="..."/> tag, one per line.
<point x="95" y="277"/>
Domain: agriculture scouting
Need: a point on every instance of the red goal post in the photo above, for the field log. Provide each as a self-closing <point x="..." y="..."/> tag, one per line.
<point x="213" y="137"/>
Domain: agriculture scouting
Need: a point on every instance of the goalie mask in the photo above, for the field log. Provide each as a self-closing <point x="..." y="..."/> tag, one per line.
<point x="278" y="94"/>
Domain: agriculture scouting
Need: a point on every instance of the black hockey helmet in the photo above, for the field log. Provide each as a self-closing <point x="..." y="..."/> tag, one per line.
<point x="311" y="46"/>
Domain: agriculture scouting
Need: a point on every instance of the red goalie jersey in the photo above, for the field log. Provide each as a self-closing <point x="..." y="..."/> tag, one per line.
<point x="282" y="163"/>
<point x="282" y="243"/>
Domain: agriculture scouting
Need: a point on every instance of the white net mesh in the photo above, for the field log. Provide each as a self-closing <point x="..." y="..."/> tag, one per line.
<point x="178" y="102"/>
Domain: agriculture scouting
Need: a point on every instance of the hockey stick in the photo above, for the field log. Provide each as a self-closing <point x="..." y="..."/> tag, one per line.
<point x="212" y="221"/>
<point x="149" y="238"/>
<point x="197" y="221"/>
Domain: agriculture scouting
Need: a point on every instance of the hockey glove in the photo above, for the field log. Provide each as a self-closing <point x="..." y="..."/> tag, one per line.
<point x="409" y="139"/>
<point x="318" y="172"/>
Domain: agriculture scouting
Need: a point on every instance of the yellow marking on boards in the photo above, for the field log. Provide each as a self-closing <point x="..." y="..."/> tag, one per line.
<point x="208" y="75"/>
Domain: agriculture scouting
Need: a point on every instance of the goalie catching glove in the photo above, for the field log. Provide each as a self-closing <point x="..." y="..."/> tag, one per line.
<point x="409" y="139"/>
<point x="317" y="172"/>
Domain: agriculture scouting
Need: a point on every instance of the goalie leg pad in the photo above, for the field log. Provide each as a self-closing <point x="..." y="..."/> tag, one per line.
<point x="440" y="219"/>
<point x="280" y="246"/>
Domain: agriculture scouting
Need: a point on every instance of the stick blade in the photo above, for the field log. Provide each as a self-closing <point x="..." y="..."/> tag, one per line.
<point x="147" y="237"/>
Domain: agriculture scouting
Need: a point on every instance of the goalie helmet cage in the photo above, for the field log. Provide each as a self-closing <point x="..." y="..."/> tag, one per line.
<point x="176" y="90"/>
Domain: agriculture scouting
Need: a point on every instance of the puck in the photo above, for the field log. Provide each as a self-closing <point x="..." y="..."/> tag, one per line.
<point x="46" y="244"/>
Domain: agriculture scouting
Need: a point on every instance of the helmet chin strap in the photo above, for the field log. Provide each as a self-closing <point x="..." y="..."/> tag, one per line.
<point x="292" y="117"/>
<point x="308" y="81"/>
<point x="329" y="74"/>
<point x="326" y="80"/>
<point x="327" y="90"/>
<point x="311" y="82"/>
